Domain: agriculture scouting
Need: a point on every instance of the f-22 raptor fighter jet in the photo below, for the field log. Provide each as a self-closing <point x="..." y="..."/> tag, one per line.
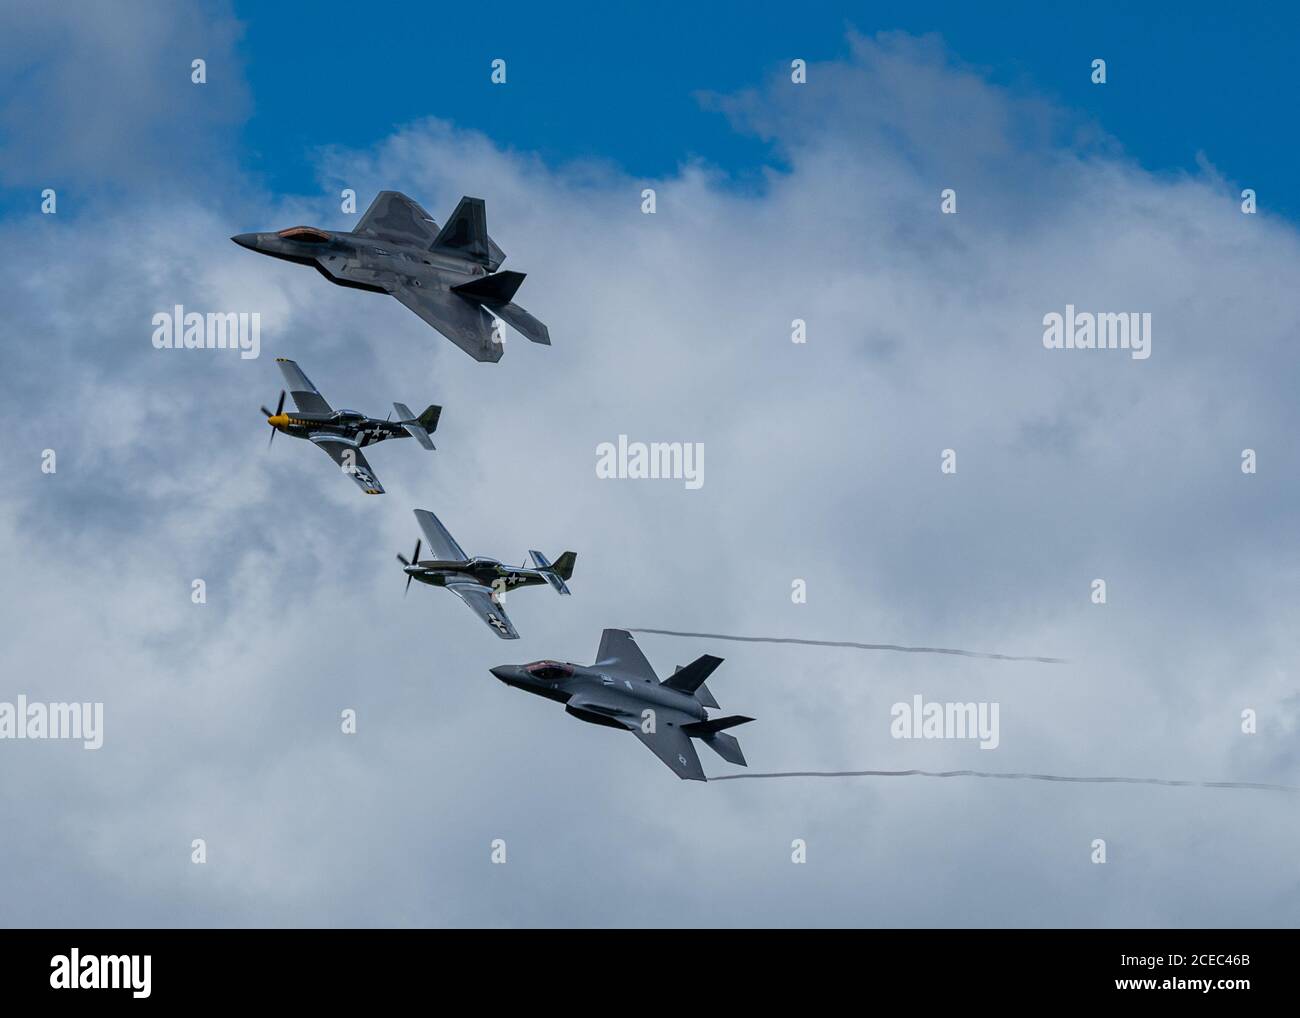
<point x="446" y="276"/>
<point x="620" y="691"/>
<point x="343" y="433"/>
<point x="480" y="582"/>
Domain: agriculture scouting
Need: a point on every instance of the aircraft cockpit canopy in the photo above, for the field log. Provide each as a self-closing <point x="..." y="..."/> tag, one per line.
<point x="305" y="235"/>
<point x="549" y="671"/>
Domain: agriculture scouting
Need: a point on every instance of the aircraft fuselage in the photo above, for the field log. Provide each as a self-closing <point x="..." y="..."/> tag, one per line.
<point x="618" y="696"/>
<point x="364" y="263"/>
<point x="349" y="426"/>
<point x="487" y="572"/>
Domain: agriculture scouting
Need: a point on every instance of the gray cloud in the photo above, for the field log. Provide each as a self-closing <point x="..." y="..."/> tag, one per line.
<point x="97" y="96"/>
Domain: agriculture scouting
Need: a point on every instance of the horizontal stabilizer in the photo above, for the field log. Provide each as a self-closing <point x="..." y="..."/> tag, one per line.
<point x="727" y="747"/>
<point x="523" y="323"/>
<point x="547" y="570"/>
<point x="491" y="290"/>
<point x="700" y="729"/>
<point x="690" y="678"/>
<point x="415" y="426"/>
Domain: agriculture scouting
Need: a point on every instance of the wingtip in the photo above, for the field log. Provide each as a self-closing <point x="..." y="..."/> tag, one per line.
<point x="488" y="355"/>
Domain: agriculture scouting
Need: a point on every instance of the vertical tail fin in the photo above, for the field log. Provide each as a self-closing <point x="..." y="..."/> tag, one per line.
<point x="465" y="233"/>
<point x="429" y="419"/>
<point x="555" y="574"/>
<point x="690" y="678"/>
<point x="564" y="565"/>
<point x="702" y="693"/>
<point x="494" y="291"/>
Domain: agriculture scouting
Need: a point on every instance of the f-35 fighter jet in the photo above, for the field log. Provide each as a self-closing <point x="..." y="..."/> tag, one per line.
<point x="480" y="582"/>
<point x="620" y="691"/>
<point x="446" y="276"/>
<point x="343" y="433"/>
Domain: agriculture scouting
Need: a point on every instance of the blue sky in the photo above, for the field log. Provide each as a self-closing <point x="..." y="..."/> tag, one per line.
<point x="619" y="81"/>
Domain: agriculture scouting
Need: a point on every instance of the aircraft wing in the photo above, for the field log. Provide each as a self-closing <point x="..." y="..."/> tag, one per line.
<point x="619" y="653"/>
<point x="479" y="598"/>
<point x="465" y="324"/>
<point x="675" y="748"/>
<point x="394" y="217"/>
<point x="441" y="543"/>
<point x="306" y="397"/>
<point x="351" y="461"/>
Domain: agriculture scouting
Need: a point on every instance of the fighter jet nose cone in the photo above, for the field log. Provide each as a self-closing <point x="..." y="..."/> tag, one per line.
<point x="248" y="240"/>
<point x="502" y="672"/>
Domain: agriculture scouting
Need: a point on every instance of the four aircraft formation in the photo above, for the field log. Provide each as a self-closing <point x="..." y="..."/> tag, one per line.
<point x="449" y="277"/>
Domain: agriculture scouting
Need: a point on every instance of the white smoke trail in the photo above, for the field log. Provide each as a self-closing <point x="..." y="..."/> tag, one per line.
<point x="857" y="646"/>
<point x="1257" y="785"/>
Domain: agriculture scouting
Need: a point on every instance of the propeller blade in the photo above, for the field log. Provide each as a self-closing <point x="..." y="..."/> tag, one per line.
<point x="279" y="408"/>
<point x="415" y="558"/>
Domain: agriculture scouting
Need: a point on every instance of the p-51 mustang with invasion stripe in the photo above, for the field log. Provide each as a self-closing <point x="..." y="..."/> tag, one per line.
<point x="446" y="276"/>
<point x="480" y="582"/>
<point x="620" y="690"/>
<point x="343" y="433"/>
